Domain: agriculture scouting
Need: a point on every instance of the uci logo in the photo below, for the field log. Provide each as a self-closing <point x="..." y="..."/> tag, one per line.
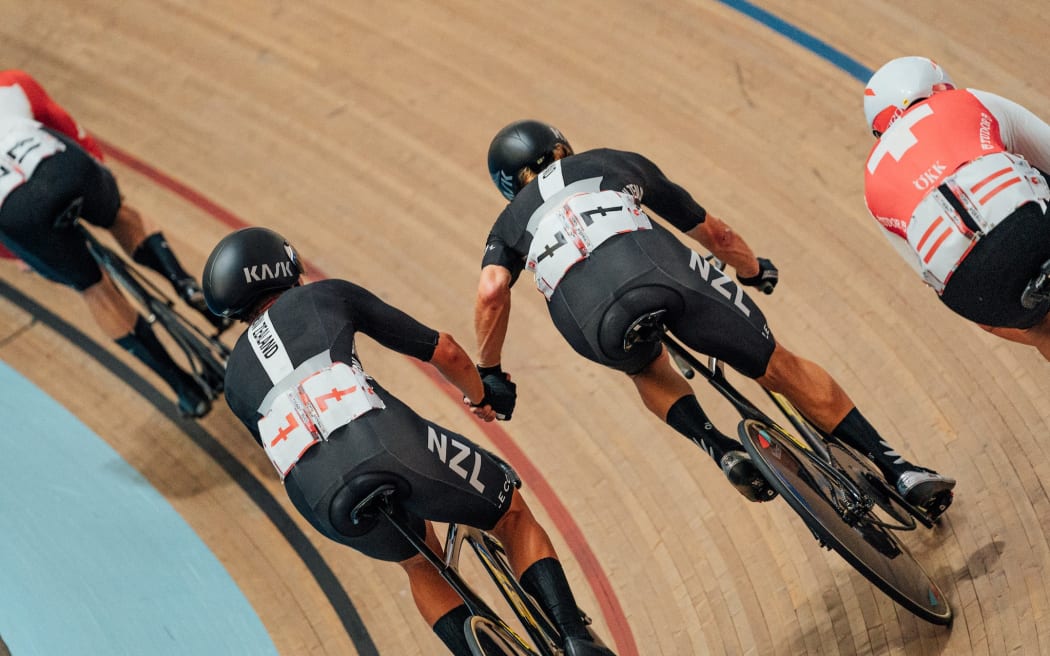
<point x="261" y="272"/>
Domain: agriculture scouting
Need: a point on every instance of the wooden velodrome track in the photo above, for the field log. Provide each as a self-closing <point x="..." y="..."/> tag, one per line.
<point x="359" y="130"/>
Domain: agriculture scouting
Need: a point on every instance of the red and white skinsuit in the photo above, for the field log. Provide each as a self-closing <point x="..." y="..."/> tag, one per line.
<point x="22" y="96"/>
<point x="976" y="146"/>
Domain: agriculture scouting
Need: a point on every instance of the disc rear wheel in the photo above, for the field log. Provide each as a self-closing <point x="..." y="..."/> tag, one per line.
<point x="839" y="515"/>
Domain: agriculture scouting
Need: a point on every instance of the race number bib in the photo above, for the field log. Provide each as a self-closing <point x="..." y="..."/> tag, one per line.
<point x="940" y="238"/>
<point x="989" y="189"/>
<point x="23" y="145"/>
<point x="311" y="410"/>
<point x="571" y="232"/>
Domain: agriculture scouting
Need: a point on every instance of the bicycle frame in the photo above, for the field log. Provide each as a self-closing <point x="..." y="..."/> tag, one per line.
<point x="492" y="558"/>
<point x="206" y="355"/>
<point x="810" y="439"/>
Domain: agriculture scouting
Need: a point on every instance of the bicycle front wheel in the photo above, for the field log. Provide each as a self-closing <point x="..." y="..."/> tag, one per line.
<point x="863" y="542"/>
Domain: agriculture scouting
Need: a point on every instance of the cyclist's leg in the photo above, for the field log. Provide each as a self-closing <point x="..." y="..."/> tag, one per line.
<point x="1037" y="336"/>
<point x="668" y="396"/>
<point x="808" y="386"/>
<point x="110" y="308"/>
<point x="593" y="312"/>
<point x="142" y="240"/>
<point x="146" y="244"/>
<point x="710" y="314"/>
<point x="819" y="397"/>
<point x="119" y="320"/>
<point x="433" y="596"/>
<point x="533" y="558"/>
<point x="134" y="334"/>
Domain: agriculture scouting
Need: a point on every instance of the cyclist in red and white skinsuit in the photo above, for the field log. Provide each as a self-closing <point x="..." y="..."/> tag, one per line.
<point x="22" y="96"/>
<point x="957" y="180"/>
<point x="49" y="165"/>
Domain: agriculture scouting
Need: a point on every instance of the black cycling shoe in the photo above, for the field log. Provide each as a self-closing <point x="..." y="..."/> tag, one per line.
<point x="193" y="402"/>
<point x="190" y="292"/>
<point x="745" y="477"/>
<point x="584" y="647"/>
<point x="926" y="489"/>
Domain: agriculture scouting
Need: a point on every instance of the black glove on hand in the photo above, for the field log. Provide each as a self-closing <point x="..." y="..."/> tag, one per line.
<point x="766" y="278"/>
<point x="500" y="393"/>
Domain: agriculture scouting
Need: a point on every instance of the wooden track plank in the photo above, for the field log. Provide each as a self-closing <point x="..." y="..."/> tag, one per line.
<point x="359" y="130"/>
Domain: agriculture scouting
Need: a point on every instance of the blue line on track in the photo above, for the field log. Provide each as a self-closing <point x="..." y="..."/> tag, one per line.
<point x="808" y="41"/>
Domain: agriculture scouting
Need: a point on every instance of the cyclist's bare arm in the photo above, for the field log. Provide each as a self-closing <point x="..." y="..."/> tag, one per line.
<point x="492" y="313"/>
<point x="456" y="366"/>
<point x="724" y="243"/>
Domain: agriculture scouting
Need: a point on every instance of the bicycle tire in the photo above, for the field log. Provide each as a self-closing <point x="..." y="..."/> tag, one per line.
<point x="870" y="548"/>
<point x="488" y="637"/>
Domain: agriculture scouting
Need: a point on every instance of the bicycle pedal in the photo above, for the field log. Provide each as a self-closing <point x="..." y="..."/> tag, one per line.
<point x="938" y="505"/>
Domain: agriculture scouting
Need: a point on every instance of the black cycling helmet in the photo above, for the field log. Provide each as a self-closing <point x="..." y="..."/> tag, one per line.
<point x="522" y="144"/>
<point x="245" y="267"/>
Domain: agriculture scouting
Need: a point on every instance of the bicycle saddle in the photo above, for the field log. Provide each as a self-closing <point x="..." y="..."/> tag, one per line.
<point x="646" y="328"/>
<point x="355" y="507"/>
<point x="67" y="216"/>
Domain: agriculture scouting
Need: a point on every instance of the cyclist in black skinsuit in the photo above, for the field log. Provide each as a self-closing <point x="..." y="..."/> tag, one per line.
<point x="576" y="222"/>
<point x="294" y="379"/>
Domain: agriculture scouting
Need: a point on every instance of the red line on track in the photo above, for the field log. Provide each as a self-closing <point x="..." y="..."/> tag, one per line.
<point x="603" y="591"/>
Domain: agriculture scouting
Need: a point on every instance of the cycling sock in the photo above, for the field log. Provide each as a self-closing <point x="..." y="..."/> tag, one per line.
<point x="688" y="418"/>
<point x="155" y="253"/>
<point x="450" y="629"/>
<point x="855" y="431"/>
<point x="545" y="581"/>
<point x="144" y="345"/>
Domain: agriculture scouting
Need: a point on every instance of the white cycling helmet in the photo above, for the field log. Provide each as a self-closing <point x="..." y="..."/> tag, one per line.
<point x="897" y="86"/>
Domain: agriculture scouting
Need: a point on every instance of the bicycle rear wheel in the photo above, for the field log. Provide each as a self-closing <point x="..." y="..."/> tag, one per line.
<point x="866" y="545"/>
<point x="487" y="637"/>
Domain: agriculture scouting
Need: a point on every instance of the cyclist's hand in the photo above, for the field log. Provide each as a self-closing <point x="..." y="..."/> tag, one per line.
<point x="483" y="412"/>
<point x="500" y="393"/>
<point x="766" y="278"/>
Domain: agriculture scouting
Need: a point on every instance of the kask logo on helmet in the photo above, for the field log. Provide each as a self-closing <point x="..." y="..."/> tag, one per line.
<point x="504" y="182"/>
<point x="260" y="272"/>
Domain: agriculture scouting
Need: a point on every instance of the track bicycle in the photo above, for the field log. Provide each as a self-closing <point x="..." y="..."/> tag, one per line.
<point x="486" y="632"/>
<point x="205" y="354"/>
<point x="840" y="496"/>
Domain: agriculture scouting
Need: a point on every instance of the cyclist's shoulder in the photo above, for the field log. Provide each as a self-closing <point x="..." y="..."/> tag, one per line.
<point x="611" y="164"/>
<point x="337" y="287"/>
<point x="608" y="156"/>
